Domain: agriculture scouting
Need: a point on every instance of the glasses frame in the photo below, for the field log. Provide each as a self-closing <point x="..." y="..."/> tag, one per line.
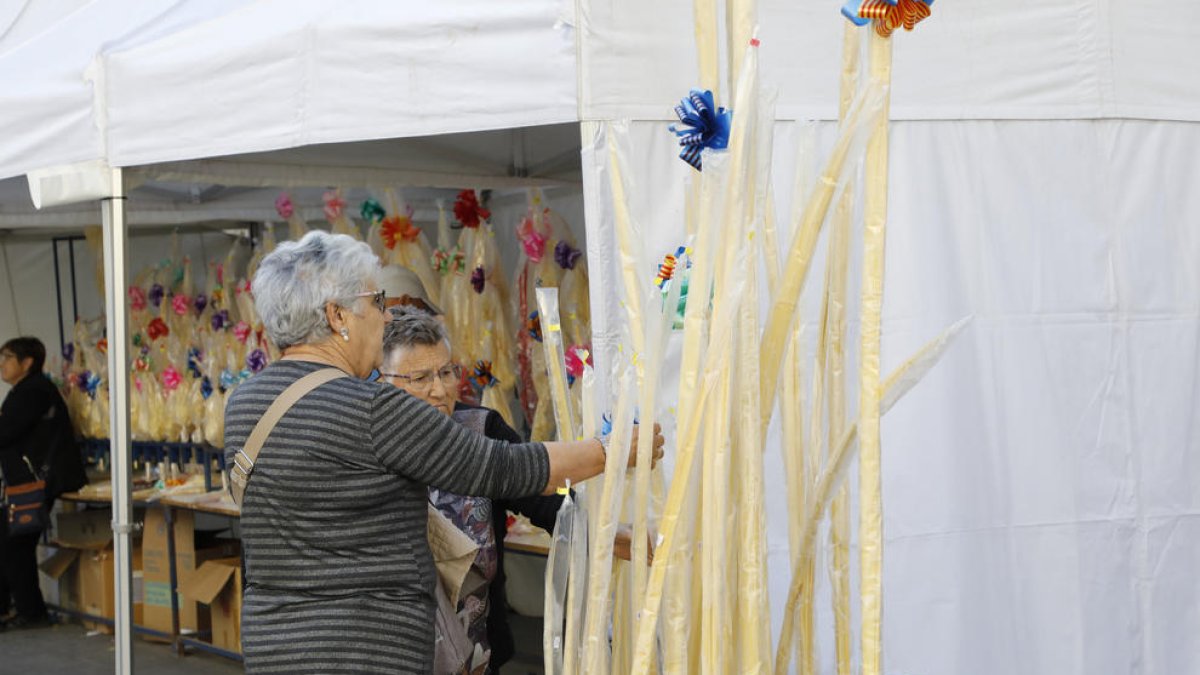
<point x="379" y="297"/>
<point x="454" y="369"/>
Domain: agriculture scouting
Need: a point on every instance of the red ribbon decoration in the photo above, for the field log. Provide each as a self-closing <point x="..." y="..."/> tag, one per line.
<point x="888" y="17"/>
<point x="157" y="328"/>
<point x="468" y="211"/>
<point x="397" y="228"/>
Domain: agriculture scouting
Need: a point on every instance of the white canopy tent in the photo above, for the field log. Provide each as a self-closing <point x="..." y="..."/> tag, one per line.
<point x="1040" y="485"/>
<point x="285" y="74"/>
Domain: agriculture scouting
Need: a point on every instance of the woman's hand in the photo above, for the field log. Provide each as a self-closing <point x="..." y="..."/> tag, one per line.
<point x="656" y="452"/>
<point x="623" y="544"/>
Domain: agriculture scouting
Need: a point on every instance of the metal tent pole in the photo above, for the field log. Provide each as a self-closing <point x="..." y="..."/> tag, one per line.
<point x="115" y="281"/>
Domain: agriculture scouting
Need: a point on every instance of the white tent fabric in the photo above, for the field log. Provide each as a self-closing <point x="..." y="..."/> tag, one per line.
<point x="1062" y="59"/>
<point x="1040" y="485"/>
<point x="285" y="73"/>
<point x="48" y="112"/>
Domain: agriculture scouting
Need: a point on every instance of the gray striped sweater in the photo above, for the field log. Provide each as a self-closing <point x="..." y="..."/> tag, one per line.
<point x="339" y="578"/>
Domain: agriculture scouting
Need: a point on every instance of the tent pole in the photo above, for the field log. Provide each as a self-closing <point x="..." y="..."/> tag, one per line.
<point x="62" y="338"/>
<point x="116" y="279"/>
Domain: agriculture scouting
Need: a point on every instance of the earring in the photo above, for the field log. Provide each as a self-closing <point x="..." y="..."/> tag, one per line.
<point x="345" y="333"/>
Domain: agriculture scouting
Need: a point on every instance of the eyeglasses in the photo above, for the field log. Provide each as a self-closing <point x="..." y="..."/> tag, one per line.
<point x="423" y="380"/>
<point x="4" y="356"/>
<point x="379" y="297"/>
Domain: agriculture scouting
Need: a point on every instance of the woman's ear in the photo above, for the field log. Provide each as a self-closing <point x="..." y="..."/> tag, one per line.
<point x="334" y="316"/>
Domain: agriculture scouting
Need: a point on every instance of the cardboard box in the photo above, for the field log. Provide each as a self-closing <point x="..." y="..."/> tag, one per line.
<point x="96" y="592"/>
<point x="90" y="529"/>
<point x="157" y="573"/>
<point x="218" y="584"/>
<point x="59" y="570"/>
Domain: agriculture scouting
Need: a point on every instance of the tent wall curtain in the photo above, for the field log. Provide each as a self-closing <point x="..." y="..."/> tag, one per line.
<point x="1041" y="485"/>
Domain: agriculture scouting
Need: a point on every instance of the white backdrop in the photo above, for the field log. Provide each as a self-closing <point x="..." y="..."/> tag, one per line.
<point x="1041" y="485"/>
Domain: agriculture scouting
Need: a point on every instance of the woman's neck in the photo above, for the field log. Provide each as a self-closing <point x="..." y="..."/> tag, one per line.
<point x="322" y="352"/>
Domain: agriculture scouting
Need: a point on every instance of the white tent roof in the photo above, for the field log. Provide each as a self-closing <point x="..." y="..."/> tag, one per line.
<point x="281" y="74"/>
<point x="103" y="85"/>
<point x="48" y="113"/>
<point x="1061" y="59"/>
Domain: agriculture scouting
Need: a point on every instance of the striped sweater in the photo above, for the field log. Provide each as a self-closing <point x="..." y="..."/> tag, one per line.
<point x="339" y="578"/>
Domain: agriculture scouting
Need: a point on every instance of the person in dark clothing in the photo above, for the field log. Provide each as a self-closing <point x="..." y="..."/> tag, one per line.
<point x="417" y="359"/>
<point x="36" y="440"/>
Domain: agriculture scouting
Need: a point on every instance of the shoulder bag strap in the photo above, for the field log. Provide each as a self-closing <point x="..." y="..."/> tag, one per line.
<point x="243" y="461"/>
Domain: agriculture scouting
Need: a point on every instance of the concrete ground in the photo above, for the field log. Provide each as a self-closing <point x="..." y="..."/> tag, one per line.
<point x="69" y="649"/>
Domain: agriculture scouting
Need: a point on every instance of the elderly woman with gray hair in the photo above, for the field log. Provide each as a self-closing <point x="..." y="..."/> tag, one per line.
<point x="339" y="578"/>
<point x="417" y="359"/>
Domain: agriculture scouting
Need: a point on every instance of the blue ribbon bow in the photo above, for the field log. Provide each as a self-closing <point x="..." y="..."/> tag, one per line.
<point x="701" y="125"/>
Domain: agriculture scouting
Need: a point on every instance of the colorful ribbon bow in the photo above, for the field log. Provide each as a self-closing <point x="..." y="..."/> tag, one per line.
<point x="482" y="374"/>
<point x="137" y="298"/>
<point x="242" y="331"/>
<point x="199" y="303"/>
<point x="284" y="207"/>
<point x="256" y="360"/>
<point x="181" y="304"/>
<point x="334" y="205"/>
<point x="91" y="384"/>
<point x="566" y="256"/>
<point x="68" y="352"/>
<point x="576" y="357"/>
<point x="533" y="326"/>
<point x="701" y="125"/>
<point x="220" y="320"/>
<point x="372" y="211"/>
<point x="888" y="15"/>
<point x="194" y="357"/>
<point x="397" y="228"/>
<point x="446" y="262"/>
<point x="532" y="240"/>
<point x="157" y="328"/>
<point x="171" y="378"/>
<point x="478" y="279"/>
<point x="206" y="388"/>
<point x="102" y="346"/>
<point x="666" y="271"/>
<point x="156" y="295"/>
<point x="468" y="211"/>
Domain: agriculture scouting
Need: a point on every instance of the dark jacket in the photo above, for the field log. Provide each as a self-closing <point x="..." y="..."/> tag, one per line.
<point x="35" y="424"/>
<point x="542" y="511"/>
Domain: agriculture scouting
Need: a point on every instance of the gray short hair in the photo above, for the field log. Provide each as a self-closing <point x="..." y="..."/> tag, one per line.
<point x="409" y="327"/>
<point x="296" y="280"/>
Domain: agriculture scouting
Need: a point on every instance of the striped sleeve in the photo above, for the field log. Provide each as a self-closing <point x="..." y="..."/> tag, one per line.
<point x="413" y="439"/>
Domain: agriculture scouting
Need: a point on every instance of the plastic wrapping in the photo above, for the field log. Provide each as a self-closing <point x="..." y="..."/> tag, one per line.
<point x="565" y="417"/>
<point x="595" y="642"/>
<point x="577" y="580"/>
<point x="653" y="329"/>
<point x="870" y="491"/>
<point x="558" y="569"/>
<point x="677" y="524"/>
<point x="752" y="636"/>
<point x="863" y="114"/>
<point x="839" y="246"/>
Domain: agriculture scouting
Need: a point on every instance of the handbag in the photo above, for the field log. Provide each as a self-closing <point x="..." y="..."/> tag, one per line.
<point x="452" y="647"/>
<point x="25" y="505"/>
<point x="243" y="460"/>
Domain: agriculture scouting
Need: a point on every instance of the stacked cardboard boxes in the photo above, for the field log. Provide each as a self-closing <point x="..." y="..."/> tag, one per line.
<point x="78" y="567"/>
